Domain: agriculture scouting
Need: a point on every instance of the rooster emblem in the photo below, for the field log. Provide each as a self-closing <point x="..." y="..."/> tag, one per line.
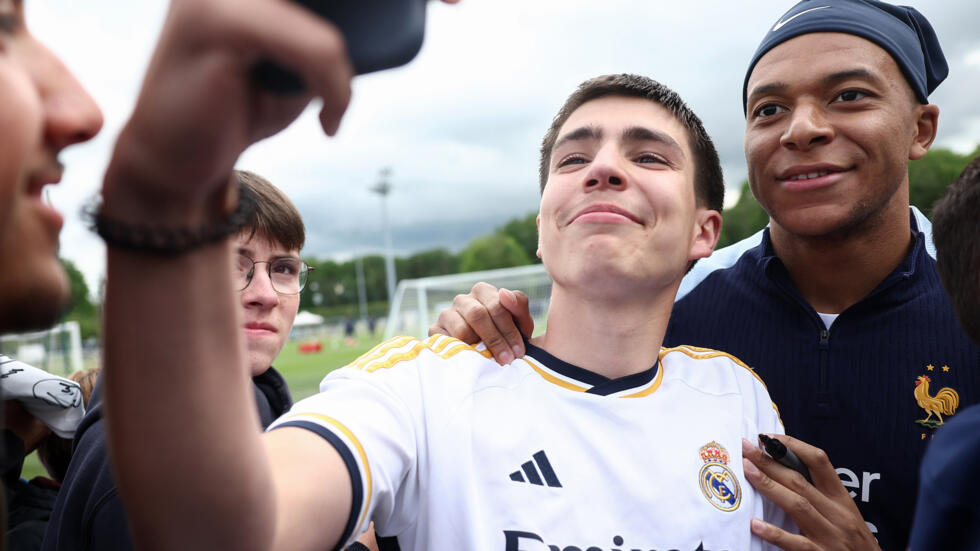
<point x="944" y="402"/>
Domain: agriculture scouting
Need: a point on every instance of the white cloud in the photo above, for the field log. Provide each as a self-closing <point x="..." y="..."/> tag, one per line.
<point x="461" y="125"/>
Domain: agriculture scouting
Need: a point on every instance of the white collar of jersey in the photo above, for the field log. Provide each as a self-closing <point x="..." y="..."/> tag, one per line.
<point x="572" y="377"/>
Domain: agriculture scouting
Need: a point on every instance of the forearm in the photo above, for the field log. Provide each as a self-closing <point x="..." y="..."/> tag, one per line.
<point x="183" y="434"/>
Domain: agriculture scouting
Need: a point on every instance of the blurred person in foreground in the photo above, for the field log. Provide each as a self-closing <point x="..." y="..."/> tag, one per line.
<point x="947" y="514"/>
<point x="837" y="304"/>
<point x="43" y="110"/>
<point x="268" y="275"/>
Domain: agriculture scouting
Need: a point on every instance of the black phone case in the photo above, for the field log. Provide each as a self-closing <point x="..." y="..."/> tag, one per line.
<point x="380" y="34"/>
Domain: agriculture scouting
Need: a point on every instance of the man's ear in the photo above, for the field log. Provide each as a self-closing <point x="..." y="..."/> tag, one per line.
<point x="926" y="125"/>
<point x="707" y="230"/>
<point x="537" y="222"/>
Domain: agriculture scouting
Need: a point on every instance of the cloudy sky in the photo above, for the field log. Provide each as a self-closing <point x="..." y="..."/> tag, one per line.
<point x="460" y="126"/>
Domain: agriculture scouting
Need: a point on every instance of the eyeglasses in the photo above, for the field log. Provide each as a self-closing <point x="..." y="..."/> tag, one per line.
<point x="288" y="275"/>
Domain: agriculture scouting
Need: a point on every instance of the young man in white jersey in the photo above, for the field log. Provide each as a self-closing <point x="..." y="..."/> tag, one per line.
<point x="596" y="439"/>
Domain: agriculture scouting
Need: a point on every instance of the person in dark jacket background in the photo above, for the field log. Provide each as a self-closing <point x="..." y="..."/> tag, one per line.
<point x="947" y="515"/>
<point x="88" y="513"/>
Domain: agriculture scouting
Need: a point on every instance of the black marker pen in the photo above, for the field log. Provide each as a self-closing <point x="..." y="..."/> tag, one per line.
<point x="784" y="456"/>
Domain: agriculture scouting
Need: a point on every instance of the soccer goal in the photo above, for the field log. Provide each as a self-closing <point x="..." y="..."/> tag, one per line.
<point x="418" y="301"/>
<point x="56" y="350"/>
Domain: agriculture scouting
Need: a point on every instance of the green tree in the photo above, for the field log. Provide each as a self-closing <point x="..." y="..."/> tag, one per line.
<point x="742" y="219"/>
<point x="428" y="263"/>
<point x="81" y="308"/>
<point x="496" y="250"/>
<point x="931" y="175"/>
<point x="525" y="232"/>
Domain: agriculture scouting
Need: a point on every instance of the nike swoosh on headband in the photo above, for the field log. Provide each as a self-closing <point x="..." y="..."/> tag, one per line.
<point x="779" y="24"/>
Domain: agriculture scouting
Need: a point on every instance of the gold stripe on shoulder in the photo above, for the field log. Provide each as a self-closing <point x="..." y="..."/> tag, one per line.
<point x="394" y="359"/>
<point x="699" y="353"/>
<point x="441" y="345"/>
<point x="379" y="351"/>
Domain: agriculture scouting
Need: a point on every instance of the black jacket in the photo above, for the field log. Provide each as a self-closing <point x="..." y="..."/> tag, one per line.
<point x="88" y="514"/>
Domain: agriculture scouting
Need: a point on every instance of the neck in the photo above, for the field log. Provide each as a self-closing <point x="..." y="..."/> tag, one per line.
<point x="611" y="336"/>
<point x="836" y="271"/>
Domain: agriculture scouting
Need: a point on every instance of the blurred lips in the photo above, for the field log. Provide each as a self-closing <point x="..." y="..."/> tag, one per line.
<point x="257" y="329"/>
<point x="604" y="213"/>
<point x="35" y="187"/>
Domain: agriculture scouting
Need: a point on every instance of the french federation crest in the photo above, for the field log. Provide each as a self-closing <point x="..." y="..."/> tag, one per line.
<point x="718" y="483"/>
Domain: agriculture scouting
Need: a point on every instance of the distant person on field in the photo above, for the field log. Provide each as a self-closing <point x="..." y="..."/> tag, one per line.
<point x="349" y="331"/>
<point x="947" y="515"/>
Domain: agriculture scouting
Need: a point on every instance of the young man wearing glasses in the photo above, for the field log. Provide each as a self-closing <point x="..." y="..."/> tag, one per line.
<point x="269" y="276"/>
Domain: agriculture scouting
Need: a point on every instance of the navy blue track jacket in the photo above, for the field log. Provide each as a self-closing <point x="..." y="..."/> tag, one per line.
<point x="850" y="390"/>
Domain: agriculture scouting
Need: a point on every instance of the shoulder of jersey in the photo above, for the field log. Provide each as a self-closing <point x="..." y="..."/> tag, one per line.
<point x="399" y="350"/>
<point x="722" y="359"/>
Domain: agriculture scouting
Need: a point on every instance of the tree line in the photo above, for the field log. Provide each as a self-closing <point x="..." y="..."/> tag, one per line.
<point x="332" y="286"/>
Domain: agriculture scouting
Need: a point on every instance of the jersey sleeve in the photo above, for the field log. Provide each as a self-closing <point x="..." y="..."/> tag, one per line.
<point x="373" y="417"/>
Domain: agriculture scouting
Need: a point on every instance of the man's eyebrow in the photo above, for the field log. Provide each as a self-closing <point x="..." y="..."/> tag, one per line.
<point x="644" y="134"/>
<point x="771" y="88"/>
<point x="861" y="74"/>
<point x="579" y="134"/>
<point x="288" y="255"/>
<point x="831" y="79"/>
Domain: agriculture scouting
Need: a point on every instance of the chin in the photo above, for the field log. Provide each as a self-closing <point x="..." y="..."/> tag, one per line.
<point x="259" y="359"/>
<point x="36" y="302"/>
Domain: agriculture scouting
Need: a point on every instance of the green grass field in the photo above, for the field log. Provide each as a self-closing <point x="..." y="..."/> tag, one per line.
<point x="303" y="373"/>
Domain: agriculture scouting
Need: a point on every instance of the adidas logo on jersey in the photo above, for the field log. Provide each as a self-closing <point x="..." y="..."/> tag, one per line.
<point x="538" y="472"/>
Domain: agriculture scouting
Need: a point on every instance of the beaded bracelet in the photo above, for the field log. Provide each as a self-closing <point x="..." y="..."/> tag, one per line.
<point x="167" y="240"/>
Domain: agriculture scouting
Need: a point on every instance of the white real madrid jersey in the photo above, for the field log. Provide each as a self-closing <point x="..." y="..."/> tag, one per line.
<point x="449" y="450"/>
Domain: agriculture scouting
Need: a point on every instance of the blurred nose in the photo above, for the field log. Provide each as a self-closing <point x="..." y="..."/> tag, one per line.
<point x="808" y="127"/>
<point x="606" y="171"/>
<point x="260" y="293"/>
<point x="71" y="115"/>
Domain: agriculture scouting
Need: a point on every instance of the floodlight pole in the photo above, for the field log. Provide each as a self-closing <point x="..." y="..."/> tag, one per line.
<point x="383" y="188"/>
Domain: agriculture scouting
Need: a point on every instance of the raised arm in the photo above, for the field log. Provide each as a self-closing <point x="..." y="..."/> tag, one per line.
<point x="192" y="468"/>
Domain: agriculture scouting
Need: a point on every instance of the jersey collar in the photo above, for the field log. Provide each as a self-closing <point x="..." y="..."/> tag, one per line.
<point x="575" y="378"/>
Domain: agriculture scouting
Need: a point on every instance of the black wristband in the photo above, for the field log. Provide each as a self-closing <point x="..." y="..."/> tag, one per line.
<point x="167" y="241"/>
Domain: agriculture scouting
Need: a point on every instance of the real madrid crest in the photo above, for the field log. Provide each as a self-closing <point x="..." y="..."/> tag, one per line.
<point x="718" y="483"/>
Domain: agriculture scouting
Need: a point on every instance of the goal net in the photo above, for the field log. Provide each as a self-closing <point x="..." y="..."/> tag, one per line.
<point x="418" y="302"/>
<point x="56" y="350"/>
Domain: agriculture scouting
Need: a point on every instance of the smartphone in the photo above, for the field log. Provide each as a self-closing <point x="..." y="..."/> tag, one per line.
<point x="380" y="34"/>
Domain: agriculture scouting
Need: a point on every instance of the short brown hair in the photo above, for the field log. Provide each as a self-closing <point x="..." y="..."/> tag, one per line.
<point x="709" y="183"/>
<point x="272" y="216"/>
<point x="956" y="233"/>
